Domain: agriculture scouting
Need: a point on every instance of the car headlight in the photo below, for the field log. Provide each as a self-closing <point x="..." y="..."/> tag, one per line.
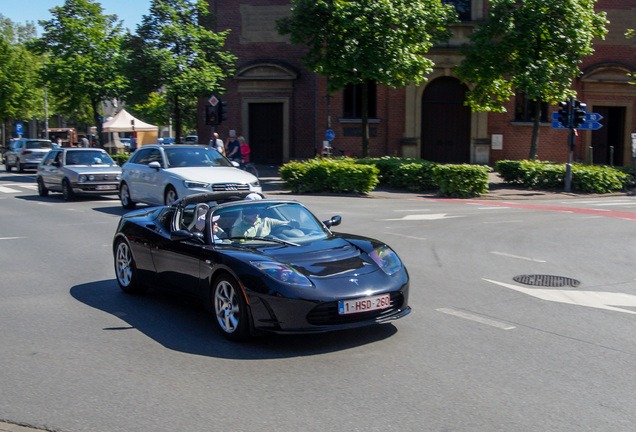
<point x="82" y="178"/>
<point x="281" y="272"/>
<point x="195" y="184"/>
<point x="386" y="259"/>
<point x="91" y="178"/>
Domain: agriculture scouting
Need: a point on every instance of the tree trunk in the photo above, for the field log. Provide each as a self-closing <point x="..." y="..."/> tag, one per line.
<point x="534" y="145"/>
<point x="177" y="119"/>
<point x="365" y="119"/>
<point x="98" y="123"/>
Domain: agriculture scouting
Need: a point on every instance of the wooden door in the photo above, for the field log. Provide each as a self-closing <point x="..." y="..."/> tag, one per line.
<point x="608" y="142"/>
<point x="445" y="122"/>
<point x="266" y="133"/>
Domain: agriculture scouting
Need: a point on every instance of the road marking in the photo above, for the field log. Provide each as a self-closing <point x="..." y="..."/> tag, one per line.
<point x="517" y="257"/>
<point x="5" y="189"/>
<point x="11" y="238"/>
<point x="593" y="212"/>
<point x="405" y="236"/>
<point x="436" y="216"/>
<point x="476" y="318"/>
<point x="594" y="299"/>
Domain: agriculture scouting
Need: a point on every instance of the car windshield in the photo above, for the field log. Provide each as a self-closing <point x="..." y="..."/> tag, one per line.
<point x="194" y="157"/>
<point x="92" y="157"/>
<point x="39" y="144"/>
<point x="288" y="223"/>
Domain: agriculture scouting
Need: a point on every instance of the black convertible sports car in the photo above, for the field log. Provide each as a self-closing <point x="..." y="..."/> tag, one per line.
<point x="261" y="265"/>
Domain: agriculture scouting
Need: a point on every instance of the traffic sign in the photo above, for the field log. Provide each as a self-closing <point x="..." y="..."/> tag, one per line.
<point x="557" y="125"/>
<point x="213" y="100"/>
<point x="18" y="129"/>
<point x="590" y="125"/>
<point x="330" y="135"/>
<point x="593" y="117"/>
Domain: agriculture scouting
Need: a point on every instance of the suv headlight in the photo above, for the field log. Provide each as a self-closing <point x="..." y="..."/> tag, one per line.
<point x="82" y="178"/>
<point x="195" y="184"/>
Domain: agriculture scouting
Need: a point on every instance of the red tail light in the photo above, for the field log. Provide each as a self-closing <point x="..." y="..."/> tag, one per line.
<point x="26" y="152"/>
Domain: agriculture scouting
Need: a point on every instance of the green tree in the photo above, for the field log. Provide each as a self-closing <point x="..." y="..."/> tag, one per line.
<point x="532" y="46"/>
<point x="358" y="42"/>
<point x="174" y="52"/>
<point x="83" y="58"/>
<point x="20" y="92"/>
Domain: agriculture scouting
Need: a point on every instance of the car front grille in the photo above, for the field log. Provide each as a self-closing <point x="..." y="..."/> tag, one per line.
<point x="327" y="313"/>
<point x="220" y="187"/>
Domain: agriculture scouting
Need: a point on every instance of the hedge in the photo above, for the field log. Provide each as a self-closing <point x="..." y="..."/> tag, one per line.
<point x="461" y="181"/>
<point x="340" y="175"/>
<point x="549" y="175"/>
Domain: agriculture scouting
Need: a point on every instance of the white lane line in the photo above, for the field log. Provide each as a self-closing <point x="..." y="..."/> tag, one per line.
<point x="476" y="318"/>
<point x="517" y="257"/>
<point x="11" y="238"/>
<point x="5" y="189"/>
<point x="402" y="235"/>
<point x="414" y="217"/>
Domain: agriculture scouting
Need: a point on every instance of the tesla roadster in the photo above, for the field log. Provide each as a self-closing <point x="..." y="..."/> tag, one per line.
<point x="261" y="265"/>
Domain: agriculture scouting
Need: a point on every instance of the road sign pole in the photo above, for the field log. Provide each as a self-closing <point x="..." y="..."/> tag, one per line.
<point x="571" y="141"/>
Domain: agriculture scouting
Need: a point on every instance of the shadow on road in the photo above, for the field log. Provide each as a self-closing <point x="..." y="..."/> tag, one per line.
<point x="185" y="326"/>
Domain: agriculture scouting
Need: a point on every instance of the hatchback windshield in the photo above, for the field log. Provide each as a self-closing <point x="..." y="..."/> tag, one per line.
<point x="80" y="157"/>
<point x="39" y="144"/>
<point x="194" y="157"/>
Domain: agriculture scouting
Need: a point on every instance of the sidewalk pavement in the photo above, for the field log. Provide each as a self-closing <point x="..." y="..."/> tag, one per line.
<point x="497" y="190"/>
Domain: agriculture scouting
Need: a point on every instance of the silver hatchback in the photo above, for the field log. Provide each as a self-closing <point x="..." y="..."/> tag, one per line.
<point x="26" y="153"/>
<point x="78" y="171"/>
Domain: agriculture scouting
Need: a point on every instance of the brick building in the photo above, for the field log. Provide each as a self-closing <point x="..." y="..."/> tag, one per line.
<point x="283" y="110"/>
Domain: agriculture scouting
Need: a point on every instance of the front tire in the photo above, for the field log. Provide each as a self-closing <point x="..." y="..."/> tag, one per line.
<point x="42" y="190"/>
<point x="126" y="270"/>
<point x="230" y="308"/>
<point x="67" y="190"/>
<point x="170" y="196"/>
<point x="124" y="197"/>
<point x="18" y="166"/>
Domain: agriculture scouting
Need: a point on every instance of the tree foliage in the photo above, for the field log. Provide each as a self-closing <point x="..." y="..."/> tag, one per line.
<point x="83" y="48"/>
<point x="20" y="93"/>
<point x="533" y="47"/>
<point x="174" y="52"/>
<point x="356" y="42"/>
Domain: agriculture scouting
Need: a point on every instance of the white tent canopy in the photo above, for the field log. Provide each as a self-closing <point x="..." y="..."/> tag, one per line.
<point x="123" y="122"/>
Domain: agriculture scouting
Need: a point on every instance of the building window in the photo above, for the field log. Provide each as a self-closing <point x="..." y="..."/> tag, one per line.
<point x="352" y="95"/>
<point x="462" y="7"/>
<point x="524" y="109"/>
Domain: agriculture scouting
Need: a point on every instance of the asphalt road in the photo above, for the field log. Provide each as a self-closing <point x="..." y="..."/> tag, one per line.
<point x="479" y="352"/>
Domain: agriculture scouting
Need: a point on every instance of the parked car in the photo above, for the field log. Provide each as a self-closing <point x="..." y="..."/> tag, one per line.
<point x="26" y="153"/>
<point x="191" y="139"/>
<point x="296" y="276"/>
<point x="78" y="171"/>
<point x="160" y="174"/>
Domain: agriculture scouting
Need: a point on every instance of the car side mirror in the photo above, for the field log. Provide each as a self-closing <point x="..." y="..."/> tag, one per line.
<point x="235" y="164"/>
<point x="155" y="165"/>
<point x="334" y="221"/>
<point x="180" y="235"/>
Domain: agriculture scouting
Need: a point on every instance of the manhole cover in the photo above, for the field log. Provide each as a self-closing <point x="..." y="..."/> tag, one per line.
<point x="546" y="280"/>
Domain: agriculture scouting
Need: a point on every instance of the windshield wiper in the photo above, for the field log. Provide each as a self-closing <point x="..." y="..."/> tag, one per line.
<point x="268" y="239"/>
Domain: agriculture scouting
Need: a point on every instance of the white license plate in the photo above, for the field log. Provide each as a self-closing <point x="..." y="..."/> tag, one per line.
<point x="364" y="304"/>
<point x="105" y="187"/>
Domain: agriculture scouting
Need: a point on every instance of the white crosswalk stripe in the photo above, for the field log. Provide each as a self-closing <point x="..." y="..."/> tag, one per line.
<point x="17" y="188"/>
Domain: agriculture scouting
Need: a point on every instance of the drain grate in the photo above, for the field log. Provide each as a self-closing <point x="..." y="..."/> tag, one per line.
<point x="546" y="280"/>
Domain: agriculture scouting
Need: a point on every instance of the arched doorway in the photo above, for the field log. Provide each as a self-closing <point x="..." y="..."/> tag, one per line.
<point x="445" y="122"/>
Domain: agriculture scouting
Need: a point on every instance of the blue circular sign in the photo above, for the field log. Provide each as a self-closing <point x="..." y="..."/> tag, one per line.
<point x="330" y="135"/>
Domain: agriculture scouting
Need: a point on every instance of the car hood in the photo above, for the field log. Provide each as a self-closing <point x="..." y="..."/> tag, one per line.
<point x="212" y="174"/>
<point x="90" y="169"/>
<point x="332" y="257"/>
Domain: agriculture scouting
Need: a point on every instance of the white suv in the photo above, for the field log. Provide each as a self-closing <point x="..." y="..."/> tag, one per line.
<point x="26" y="153"/>
<point x="159" y="175"/>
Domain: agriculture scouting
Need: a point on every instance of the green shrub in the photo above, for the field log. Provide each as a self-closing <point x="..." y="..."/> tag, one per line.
<point x="341" y="175"/>
<point x="120" y="159"/>
<point x="549" y="175"/>
<point x="599" y="179"/>
<point x="402" y="173"/>
<point x="461" y="181"/>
